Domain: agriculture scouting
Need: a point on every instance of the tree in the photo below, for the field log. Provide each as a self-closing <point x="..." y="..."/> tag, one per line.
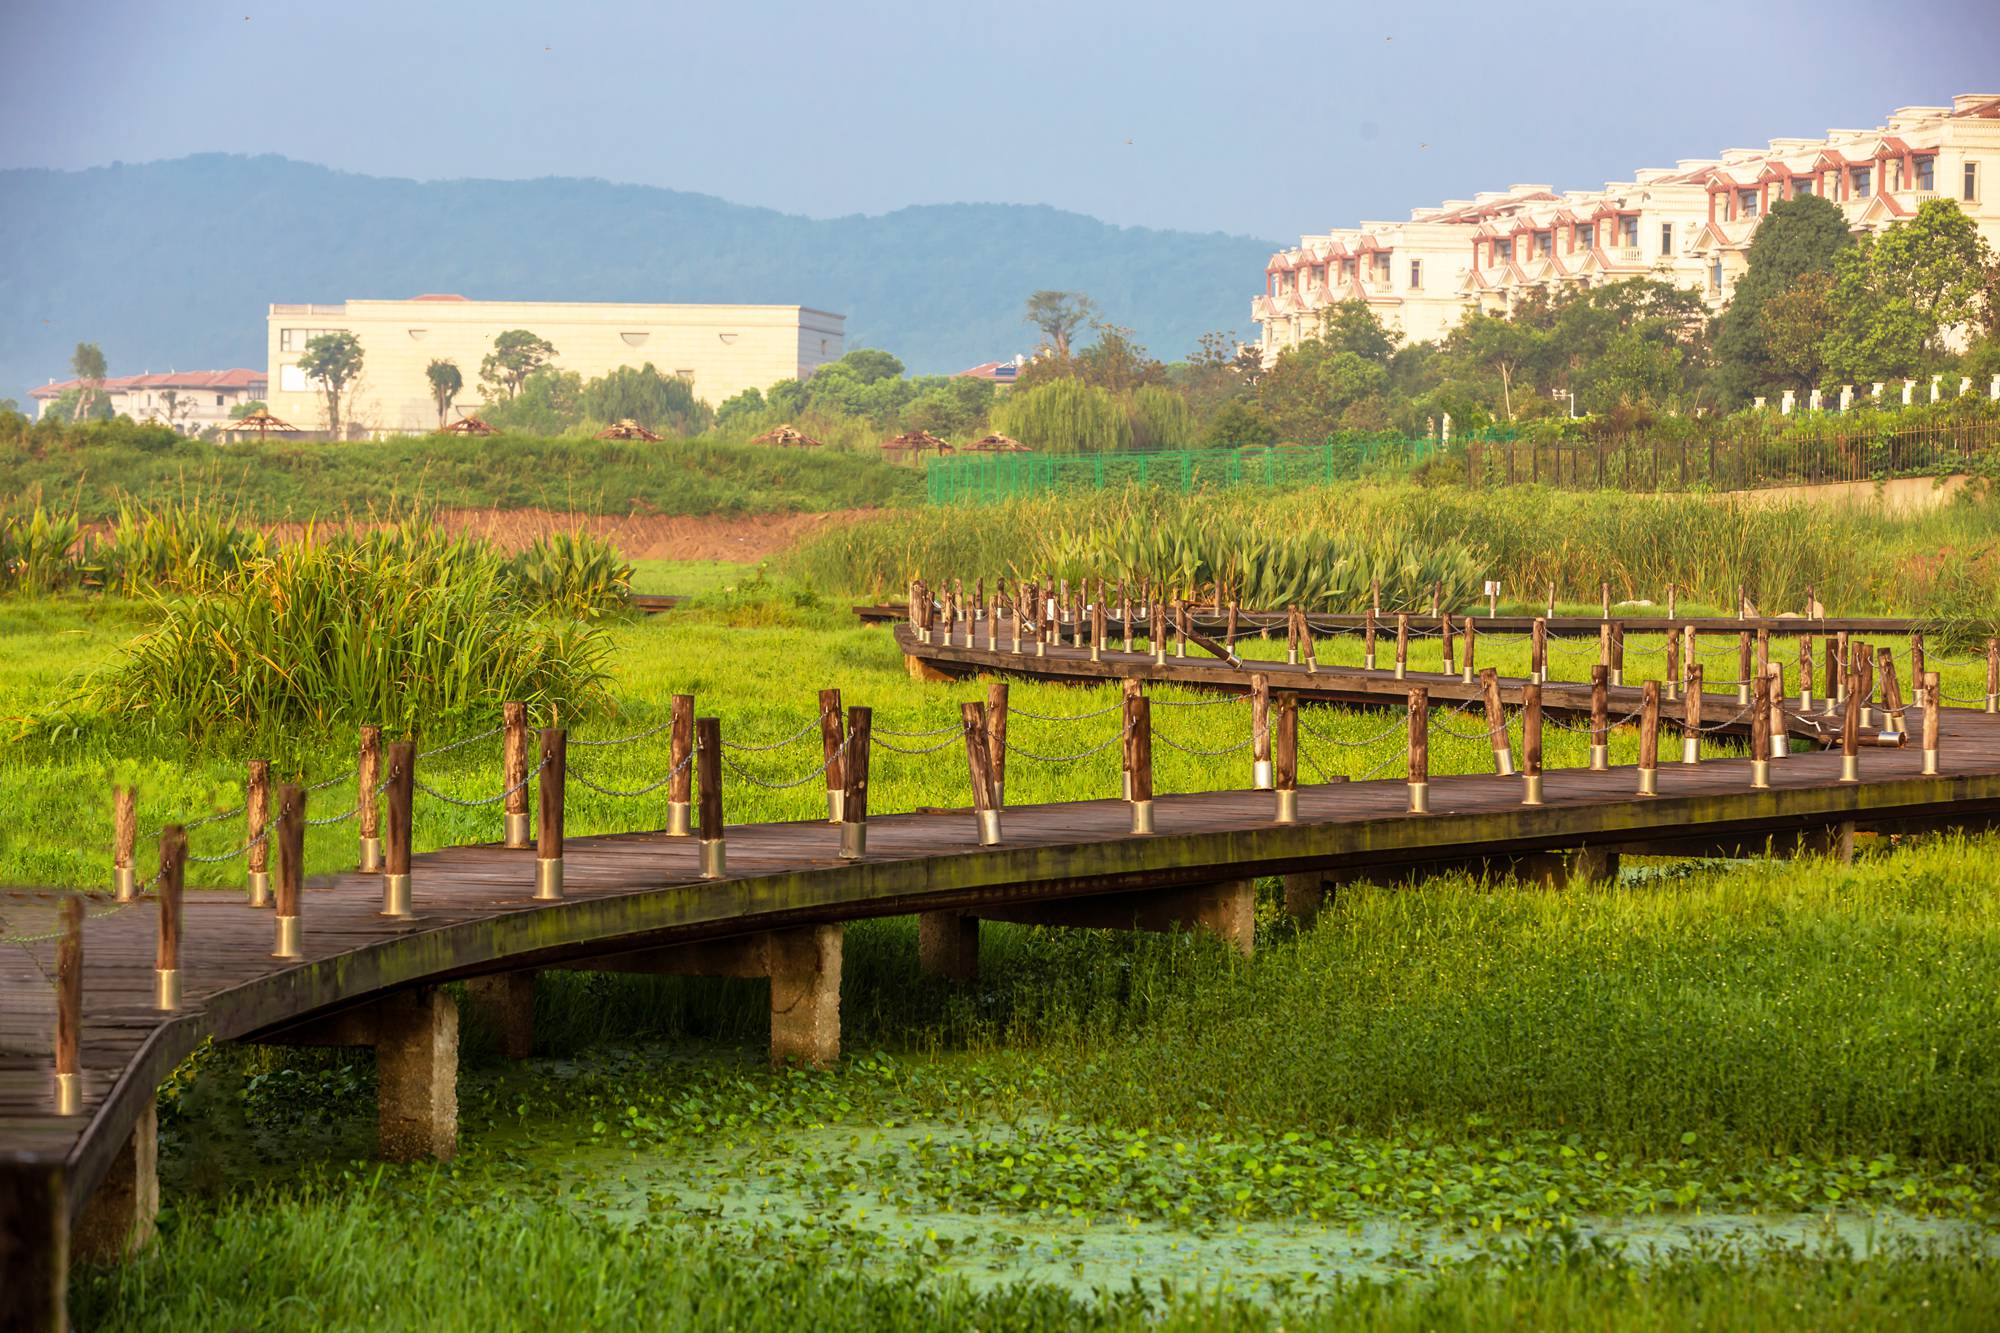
<point x="642" y="394"/>
<point x="516" y="355"/>
<point x="1317" y="388"/>
<point x="549" y="402"/>
<point x="1160" y="418"/>
<point x="1798" y="236"/>
<point x="1064" y="416"/>
<point x="334" y="360"/>
<point x="172" y="409"/>
<point x="1898" y="295"/>
<point x="1058" y="315"/>
<point x="87" y="364"/>
<point x="1239" y="423"/>
<point x="1496" y="345"/>
<point x="868" y="364"/>
<point x="446" y="380"/>
<point x="745" y="407"/>
<point x="1795" y="326"/>
<point x="1117" y="362"/>
<point x="242" y="410"/>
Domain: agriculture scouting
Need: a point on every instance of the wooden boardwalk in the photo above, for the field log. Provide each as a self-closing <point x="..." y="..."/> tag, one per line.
<point x="641" y="891"/>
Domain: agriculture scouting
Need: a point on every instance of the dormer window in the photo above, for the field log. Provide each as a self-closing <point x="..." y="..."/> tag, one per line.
<point x="1926" y="173"/>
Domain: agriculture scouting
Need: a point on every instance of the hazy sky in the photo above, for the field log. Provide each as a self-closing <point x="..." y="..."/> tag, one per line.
<point x="1266" y="120"/>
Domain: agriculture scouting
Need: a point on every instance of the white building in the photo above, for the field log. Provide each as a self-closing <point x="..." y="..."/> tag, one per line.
<point x="188" y="400"/>
<point x="1689" y="225"/>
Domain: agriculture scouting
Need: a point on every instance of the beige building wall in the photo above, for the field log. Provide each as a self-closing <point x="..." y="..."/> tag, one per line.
<point x="720" y="349"/>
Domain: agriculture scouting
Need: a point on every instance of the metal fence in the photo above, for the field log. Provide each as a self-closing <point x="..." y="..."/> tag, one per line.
<point x="988" y="478"/>
<point x="1802" y="456"/>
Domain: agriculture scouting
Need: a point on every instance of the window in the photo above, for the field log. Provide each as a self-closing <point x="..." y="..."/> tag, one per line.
<point x="1801" y="185"/>
<point x="1715" y="275"/>
<point x="1545" y="241"/>
<point x="1416" y="274"/>
<point x="1629" y="228"/>
<point x="291" y="379"/>
<point x="218" y="400"/>
<point x="1746" y="203"/>
<point x="1860" y="179"/>
<point x="285" y="343"/>
<point x="1926" y="173"/>
<point x="1970" y="193"/>
<point x="1666" y="238"/>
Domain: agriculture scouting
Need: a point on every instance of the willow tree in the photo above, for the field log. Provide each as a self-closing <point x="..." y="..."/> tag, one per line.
<point x="1064" y="416"/>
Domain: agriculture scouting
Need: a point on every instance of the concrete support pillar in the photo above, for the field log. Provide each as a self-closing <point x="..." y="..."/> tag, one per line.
<point x="117" y="1220"/>
<point x="1226" y="909"/>
<point x="804" y="967"/>
<point x="1835" y="841"/>
<point x="505" y="1006"/>
<point x="924" y="671"/>
<point x="416" y="1074"/>
<point x="34" y="1251"/>
<point x="1590" y="864"/>
<point x="1305" y="894"/>
<point x="948" y="945"/>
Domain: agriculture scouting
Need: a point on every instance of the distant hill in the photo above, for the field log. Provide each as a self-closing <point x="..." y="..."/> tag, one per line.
<point x="169" y="265"/>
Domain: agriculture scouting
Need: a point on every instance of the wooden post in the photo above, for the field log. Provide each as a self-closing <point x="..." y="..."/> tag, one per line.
<point x="1260" y="732"/>
<point x="1157" y="631"/>
<point x="1742" y="668"/>
<point x="1020" y="611"/>
<point x="1805" y="672"/>
<point x="1600" y="719"/>
<point x="1496" y="723"/>
<point x="256" y="819"/>
<point x="832" y="741"/>
<point x="1760" y="736"/>
<point x="1471" y="642"/>
<point x="972" y="716"/>
<point x="1368" y="641"/>
<point x="1551" y="608"/>
<point x="708" y="771"/>
<point x="1419" y="777"/>
<point x="1292" y="635"/>
<point x="1604" y="645"/>
<point x="1850" y="729"/>
<point x="1286" y="779"/>
<point x="854" y="809"/>
<point x="1605" y="593"/>
<point x="992" y="602"/>
<point x="402" y="805"/>
<point x="959" y="611"/>
<point x="1763" y="652"/>
<point x="996" y="739"/>
<point x="1062" y="612"/>
<point x="1931" y="705"/>
<point x="1125" y="613"/>
<point x="1774" y="688"/>
<point x="1139" y="760"/>
<point x="1617" y="652"/>
<point x="1864" y="666"/>
<point x="1673" y="663"/>
<point x="1691" y="717"/>
<point x="1672" y="590"/>
<point x="680" y="755"/>
<point x="1306" y="642"/>
<point x="1181" y="613"/>
<point x="124" y="842"/>
<point x="514" y="768"/>
<point x="1649" y="739"/>
<point x="1742" y="603"/>
<point x="1892" y="690"/>
<point x="1402" y="644"/>
<point x="69" y="1010"/>
<point x="291" y="868"/>
<point x="1234" y="616"/>
<point x="1097" y="620"/>
<point x="1993" y="675"/>
<point x="1437" y="596"/>
<point x="1531" y="743"/>
<point x="1538" y="652"/>
<point x="367" y="806"/>
<point x="1375" y="597"/>
<point x="1916" y="659"/>
<point x="1447" y="644"/>
<point x="1836" y="680"/>
<point x="167" y="947"/>
<point x="549" y="784"/>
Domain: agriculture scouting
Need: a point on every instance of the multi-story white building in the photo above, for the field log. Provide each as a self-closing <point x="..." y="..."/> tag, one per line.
<point x="1688" y="225"/>
<point x="188" y="400"/>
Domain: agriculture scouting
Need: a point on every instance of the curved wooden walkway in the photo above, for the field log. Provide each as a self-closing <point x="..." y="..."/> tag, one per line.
<point x="639" y="900"/>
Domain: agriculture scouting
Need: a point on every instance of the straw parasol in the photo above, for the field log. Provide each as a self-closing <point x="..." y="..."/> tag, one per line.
<point x="916" y="442"/>
<point x="261" y="422"/>
<point x="997" y="443"/>
<point x="470" y="426"/>
<point x="628" y="429"/>
<point x="787" y="436"/>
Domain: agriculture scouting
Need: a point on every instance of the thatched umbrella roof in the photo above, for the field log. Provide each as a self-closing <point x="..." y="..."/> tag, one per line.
<point x="787" y="436"/>
<point x="470" y="426"/>
<point x="997" y="443"/>
<point x="628" y="429"/>
<point x="261" y="422"/>
<point x="916" y="441"/>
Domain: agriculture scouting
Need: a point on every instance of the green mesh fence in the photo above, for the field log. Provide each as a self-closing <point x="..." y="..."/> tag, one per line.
<point x="987" y="478"/>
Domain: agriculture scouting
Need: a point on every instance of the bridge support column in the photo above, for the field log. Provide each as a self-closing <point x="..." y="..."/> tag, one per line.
<point x="1226" y="909"/>
<point x="1834" y="840"/>
<point x="34" y="1250"/>
<point x="117" y="1220"/>
<point x="948" y="945"/>
<point x="922" y="670"/>
<point x="505" y="1005"/>
<point x="415" y="1036"/>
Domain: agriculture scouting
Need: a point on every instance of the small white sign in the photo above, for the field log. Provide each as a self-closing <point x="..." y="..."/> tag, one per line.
<point x="1493" y="587"/>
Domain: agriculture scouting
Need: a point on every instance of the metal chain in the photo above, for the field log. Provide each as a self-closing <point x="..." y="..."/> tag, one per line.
<point x="756" y="781"/>
<point x="626" y="740"/>
<point x="1200" y="703"/>
<point x="1196" y="751"/>
<point x="1384" y="734"/>
<point x="648" y="790"/>
<point x="945" y="744"/>
<point x="333" y="819"/>
<point x="792" y="739"/>
<point x="1013" y="712"/>
<point x="112" y="910"/>
<point x="1026" y="753"/>
<point x="457" y="745"/>
<point x="1609" y="722"/>
<point x="1709" y="728"/>
<point x="429" y="790"/>
<point x="206" y="820"/>
<point x="919" y="735"/>
<point x="322" y="786"/>
<point x="229" y="856"/>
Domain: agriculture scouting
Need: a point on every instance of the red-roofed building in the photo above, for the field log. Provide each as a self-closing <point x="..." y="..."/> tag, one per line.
<point x="188" y="400"/>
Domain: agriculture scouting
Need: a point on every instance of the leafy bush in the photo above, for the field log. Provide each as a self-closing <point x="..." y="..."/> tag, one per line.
<point x="580" y="573"/>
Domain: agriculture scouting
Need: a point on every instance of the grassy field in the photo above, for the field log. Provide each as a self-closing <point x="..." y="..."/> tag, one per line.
<point x="1758" y="1095"/>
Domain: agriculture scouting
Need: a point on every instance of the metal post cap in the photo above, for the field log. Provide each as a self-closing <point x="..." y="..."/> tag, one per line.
<point x="1142" y="817"/>
<point x="549" y="879"/>
<point x="1260" y="775"/>
<point x="1531" y="789"/>
<point x="69" y="1095"/>
<point x="260" y="888"/>
<point x="395" y="895"/>
<point x="1760" y="772"/>
<point x="853" y="841"/>
<point x="989" y="828"/>
<point x="713" y="859"/>
<point x="125" y="880"/>
<point x="517" y="828"/>
<point x="1288" y="805"/>
<point x="287" y="945"/>
<point x="166" y="988"/>
<point x="1649" y="782"/>
<point x="680" y="822"/>
<point x="1420" y="798"/>
<point x="371" y="856"/>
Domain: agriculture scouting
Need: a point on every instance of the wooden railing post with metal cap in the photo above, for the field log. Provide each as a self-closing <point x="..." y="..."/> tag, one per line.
<point x="1691" y="717"/>
<point x="1402" y="644"/>
<point x="1931" y="705"/>
<point x="1231" y="632"/>
<point x="1805" y="672"/>
<point x="993" y="602"/>
<point x="1673" y="663"/>
<point x="1916" y="660"/>
<point x="1993" y="675"/>
<point x="1419" y="775"/>
<point x="69" y="1009"/>
<point x="124" y="843"/>
<point x="1760" y="736"/>
<point x="1850" y="730"/>
<point x="1291" y="636"/>
<point x="1864" y="667"/>
<point x="514" y="767"/>
<point x="1014" y="627"/>
<point x="1617" y="652"/>
<point x="832" y="744"/>
<point x="1538" y="652"/>
<point x="256" y="825"/>
<point x="1892" y="690"/>
<point x="1836" y="672"/>
<point x="1496" y="722"/>
<point x="1447" y="646"/>
<point x="1649" y="739"/>
<point x="1742" y="668"/>
<point x="1673" y="593"/>
<point x="1182" y="612"/>
<point x="291" y="868"/>
<point x="1604" y="645"/>
<point x="1139" y="760"/>
<point x="1774" y="686"/>
<point x="1763" y="653"/>
<point x="1604" y="593"/>
<point x="972" y="716"/>
<point x="401" y="792"/>
<point x="854" y="809"/>
<point x="708" y="771"/>
<point x="367" y="808"/>
<point x="1286" y="779"/>
<point x="1158" y="632"/>
<point x="1260" y="732"/>
<point x="680" y="756"/>
<point x="1551" y="605"/>
<point x="1125" y="615"/>
<point x="1531" y="743"/>
<point x="549" y="783"/>
<point x="167" y="948"/>
<point x="1471" y="643"/>
<point x="1600" y="719"/>
<point x="1097" y="628"/>
<point x="1368" y="641"/>
<point x="996" y="739"/>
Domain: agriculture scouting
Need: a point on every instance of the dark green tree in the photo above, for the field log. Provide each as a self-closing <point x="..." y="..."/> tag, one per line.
<point x="87" y="364"/>
<point x="516" y="355"/>
<point x="333" y="360"/>
<point x="445" y="380"/>
<point x="1058" y="315"/>
<point x="662" y="403"/>
<point x="1798" y="236"/>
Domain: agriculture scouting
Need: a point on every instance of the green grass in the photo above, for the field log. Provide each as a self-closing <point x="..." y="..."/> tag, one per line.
<point x="274" y="481"/>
